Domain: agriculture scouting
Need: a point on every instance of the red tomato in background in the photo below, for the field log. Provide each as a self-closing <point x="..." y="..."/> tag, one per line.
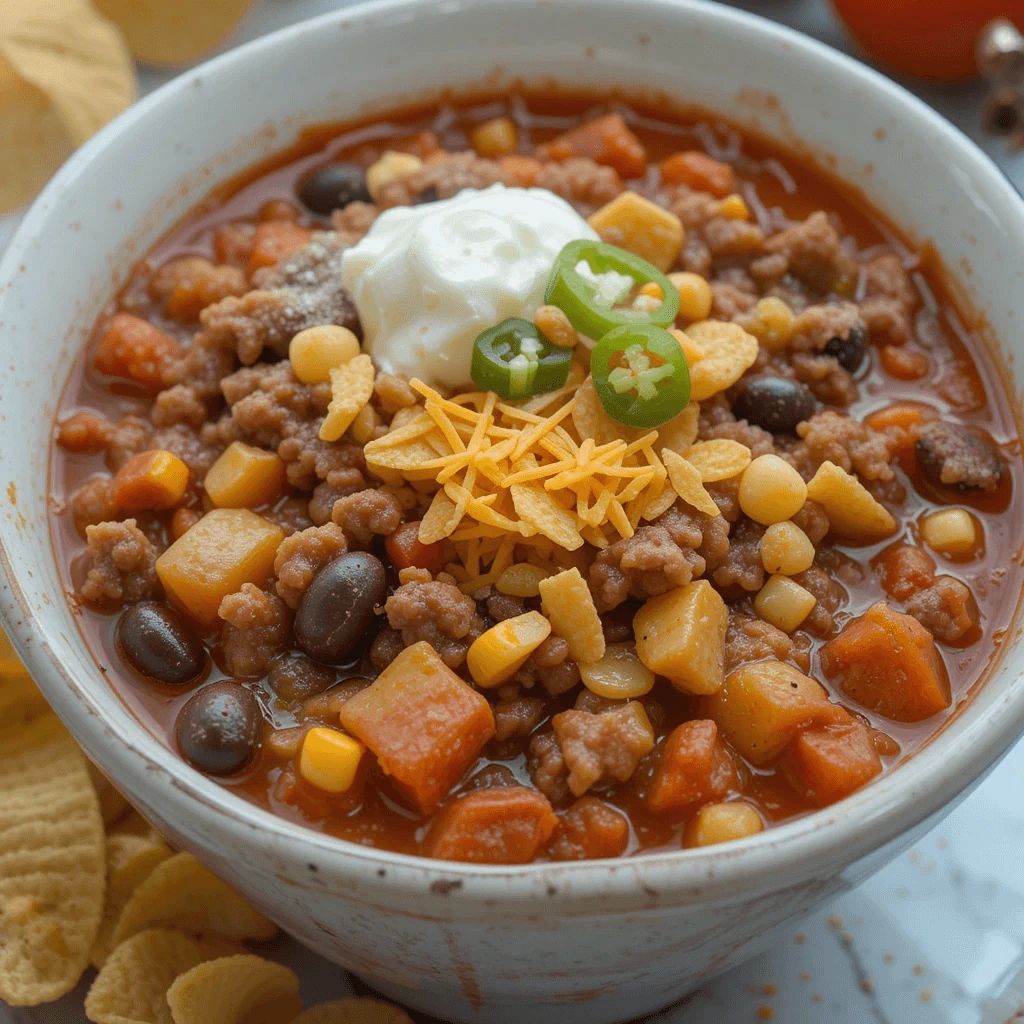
<point x="925" y="38"/>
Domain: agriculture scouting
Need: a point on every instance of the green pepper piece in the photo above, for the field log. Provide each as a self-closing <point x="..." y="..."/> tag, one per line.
<point x="640" y="375"/>
<point x="517" y="361"/>
<point x="589" y="278"/>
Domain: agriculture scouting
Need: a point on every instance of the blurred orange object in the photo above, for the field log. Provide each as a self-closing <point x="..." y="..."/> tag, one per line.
<point x="10" y="663"/>
<point x="925" y="38"/>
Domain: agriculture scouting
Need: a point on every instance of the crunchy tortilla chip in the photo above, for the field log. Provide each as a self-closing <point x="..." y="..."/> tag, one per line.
<point x="354" y="1011"/>
<point x="719" y="353"/>
<point x="169" y="32"/>
<point x="681" y="431"/>
<point x="720" y="459"/>
<point x="130" y="861"/>
<point x="440" y="519"/>
<point x="567" y="602"/>
<point x="241" y="989"/>
<point x="132" y="986"/>
<point x="351" y="389"/>
<point x="52" y="862"/>
<point x="180" y="893"/>
<point x="851" y="508"/>
<point x="686" y="482"/>
<point x="539" y="509"/>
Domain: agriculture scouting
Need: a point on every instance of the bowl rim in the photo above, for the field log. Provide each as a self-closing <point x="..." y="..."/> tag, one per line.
<point x="872" y="817"/>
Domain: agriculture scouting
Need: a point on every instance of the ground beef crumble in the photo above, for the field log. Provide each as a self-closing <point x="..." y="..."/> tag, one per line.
<point x="752" y="639"/>
<point x="301" y="557"/>
<point x="366" y="514"/>
<point x="439" y="613"/>
<point x="953" y="456"/>
<point x="119" y="565"/>
<point x="257" y="627"/>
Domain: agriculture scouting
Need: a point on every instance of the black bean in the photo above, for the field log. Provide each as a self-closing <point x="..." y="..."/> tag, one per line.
<point x="336" y="613"/>
<point x="296" y="678"/>
<point x="155" y="642"/>
<point x="333" y="187"/>
<point x="952" y="456"/>
<point x="850" y="351"/>
<point x="776" y="404"/>
<point x="219" y="728"/>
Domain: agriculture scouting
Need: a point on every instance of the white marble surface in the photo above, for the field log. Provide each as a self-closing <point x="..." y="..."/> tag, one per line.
<point x="937" y="937"/>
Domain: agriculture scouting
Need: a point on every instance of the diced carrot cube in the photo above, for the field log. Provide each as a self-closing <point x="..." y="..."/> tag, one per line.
<point x="827" y="763"/>
<point x="695" y="766"/>
<point x="135" y="350"/>
<point x="275" y="239"/>
<point x="501" y="825"/>
<point x="608" y="141"/>
<point x="700" y="172"/>
<point x="764" y="703"/>
<point x="423" y="723"/>
<point x="905" y="569"/>
<point x="232" y="243"/>
<point x="405" y="549"/>
<point x="888" y="663"/>
<point x="225" y="549"/>
<point x="149" y="482"/>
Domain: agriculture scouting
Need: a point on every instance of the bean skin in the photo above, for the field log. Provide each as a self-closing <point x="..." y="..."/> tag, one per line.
<point x="219" y="728"/>
<point x="333" y="187"/>
<point x="776" y="404"/>
<point x="154" y="641"/>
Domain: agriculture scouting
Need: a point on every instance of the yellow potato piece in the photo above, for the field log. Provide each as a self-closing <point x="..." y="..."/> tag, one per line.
<point x="354" y="1011"/>
<point x="180" y="893"/>
<point x="566" y="600"/>
<point x="641" y="227"/>
<point x="130" y="861"/>
<point x="132" y="986"/>
<point x="351" y="389"/>
<point x="52" y="862"/>
<point x="169" y="32"/>
<point x="719" y="459"/>
<point x="851" y="508"/>
<point x="64" y="73"/>
<point x="241" y="989"/>
<point x="719" y="353"/>
<point x="244" y="477"/>
<point x="687" y="484"/>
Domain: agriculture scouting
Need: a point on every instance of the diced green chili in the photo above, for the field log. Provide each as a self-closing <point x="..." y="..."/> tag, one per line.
<point x="590" y="280"/>
<point x="517" y="361"/>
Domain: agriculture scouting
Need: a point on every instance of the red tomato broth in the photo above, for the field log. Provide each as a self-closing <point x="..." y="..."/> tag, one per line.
<point x="963" y="385"/>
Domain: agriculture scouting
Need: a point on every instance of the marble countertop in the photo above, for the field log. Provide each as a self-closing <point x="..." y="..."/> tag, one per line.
<point x="935" y="938"/>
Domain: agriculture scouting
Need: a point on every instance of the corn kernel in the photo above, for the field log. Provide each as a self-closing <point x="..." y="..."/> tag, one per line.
<point x="950" y="531"/>
<point x="786" y="549"/>
<point x="619" y="675"/>
<point x="522" y="580"/>
<point x="695" y="299"/>
<point x="390" y="167"/>
<point x="330" y="759"/>
<point x="734" y="208"/>
<point x="653" y="289"/>
<point x="722" y="823"/>
<point x="555" y="326"/>
<point x="783" y="603"/>
<point x="364" y="427"/>
<point x="771" y="322"/>
<point x="495" y="138"/>
<point x="316" y="351"/>
<point x="771" y="490"/>
<point x="500" y="652"/>
<point x="645" y="303"/>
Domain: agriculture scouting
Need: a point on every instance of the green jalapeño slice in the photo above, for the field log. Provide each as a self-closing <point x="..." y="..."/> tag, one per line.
<point x="517" y="361"/>
<point x="593" y="283"/>
<point x="640" y="375"/>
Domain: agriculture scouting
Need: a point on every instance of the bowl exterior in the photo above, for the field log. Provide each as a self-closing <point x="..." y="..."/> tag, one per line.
<point x="582" y="942"/>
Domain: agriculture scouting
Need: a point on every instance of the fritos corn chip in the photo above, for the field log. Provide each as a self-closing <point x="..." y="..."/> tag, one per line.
<point x="852" y="509"/>
<point x="440" y="520"/>
<point x="51" y="859"/>
<point x="181" y="893"/>
<point x="354" y="1011"/>
<point x="351" y="389"/>
<point x="720" y="459"/>
<point x="538" y="508"/>
<point x="686" y="482"/>
<point x="130" y="861"/>
<point x="132" y="986"/>
<point x="240" y="989"/>
<point x="566" y="600"/>
<point x="719" y="352"/>
<point x="681" y="431"/>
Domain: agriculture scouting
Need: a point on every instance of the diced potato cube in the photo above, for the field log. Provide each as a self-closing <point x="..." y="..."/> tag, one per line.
<point x="423" y="723"/>
<point x="640" y="227"/>
<point x="566" y="600"/>
<point x="330" y="760"/>
<point x="150" y="481"/>
<point x="784" y="603"/>
<point x="500" y="652"/>
<point x="888" y="662"/>
<point x="226" y="548"/>
<point x="681" y="635"/>
<point x="829" y="762"/>
<point x="851" y="508"/>
<point x="950" y="530"/>
<point x="502" y="825"/>
<point x="764" y="703"/>
<point x="244" y="477"/>
<point x="722" y="823"/>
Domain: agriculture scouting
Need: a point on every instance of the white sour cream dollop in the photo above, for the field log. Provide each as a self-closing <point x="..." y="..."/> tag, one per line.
<point x="428" y="279"/>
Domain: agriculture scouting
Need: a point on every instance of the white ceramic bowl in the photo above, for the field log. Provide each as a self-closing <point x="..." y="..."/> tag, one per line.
<point x="566" y="943"/>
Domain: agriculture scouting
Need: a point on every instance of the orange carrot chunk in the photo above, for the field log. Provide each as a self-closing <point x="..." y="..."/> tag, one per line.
<point x="888" y="663"/>
<point x="607" y="141"/>
<point x="423" y="723"/>
<point x="827" y="763"/>
<point x="503" y="825"/>
<point x="135" y="350"/>
<point x="273" y="240"/>
<point x="700" y="172"/>
<point x="150" y="481"/>
<point x="695" y="766"/>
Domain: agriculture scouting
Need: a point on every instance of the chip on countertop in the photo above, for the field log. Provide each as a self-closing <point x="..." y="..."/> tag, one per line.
<point x="241" y="989"/>
<point x="354" y="1011"/>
